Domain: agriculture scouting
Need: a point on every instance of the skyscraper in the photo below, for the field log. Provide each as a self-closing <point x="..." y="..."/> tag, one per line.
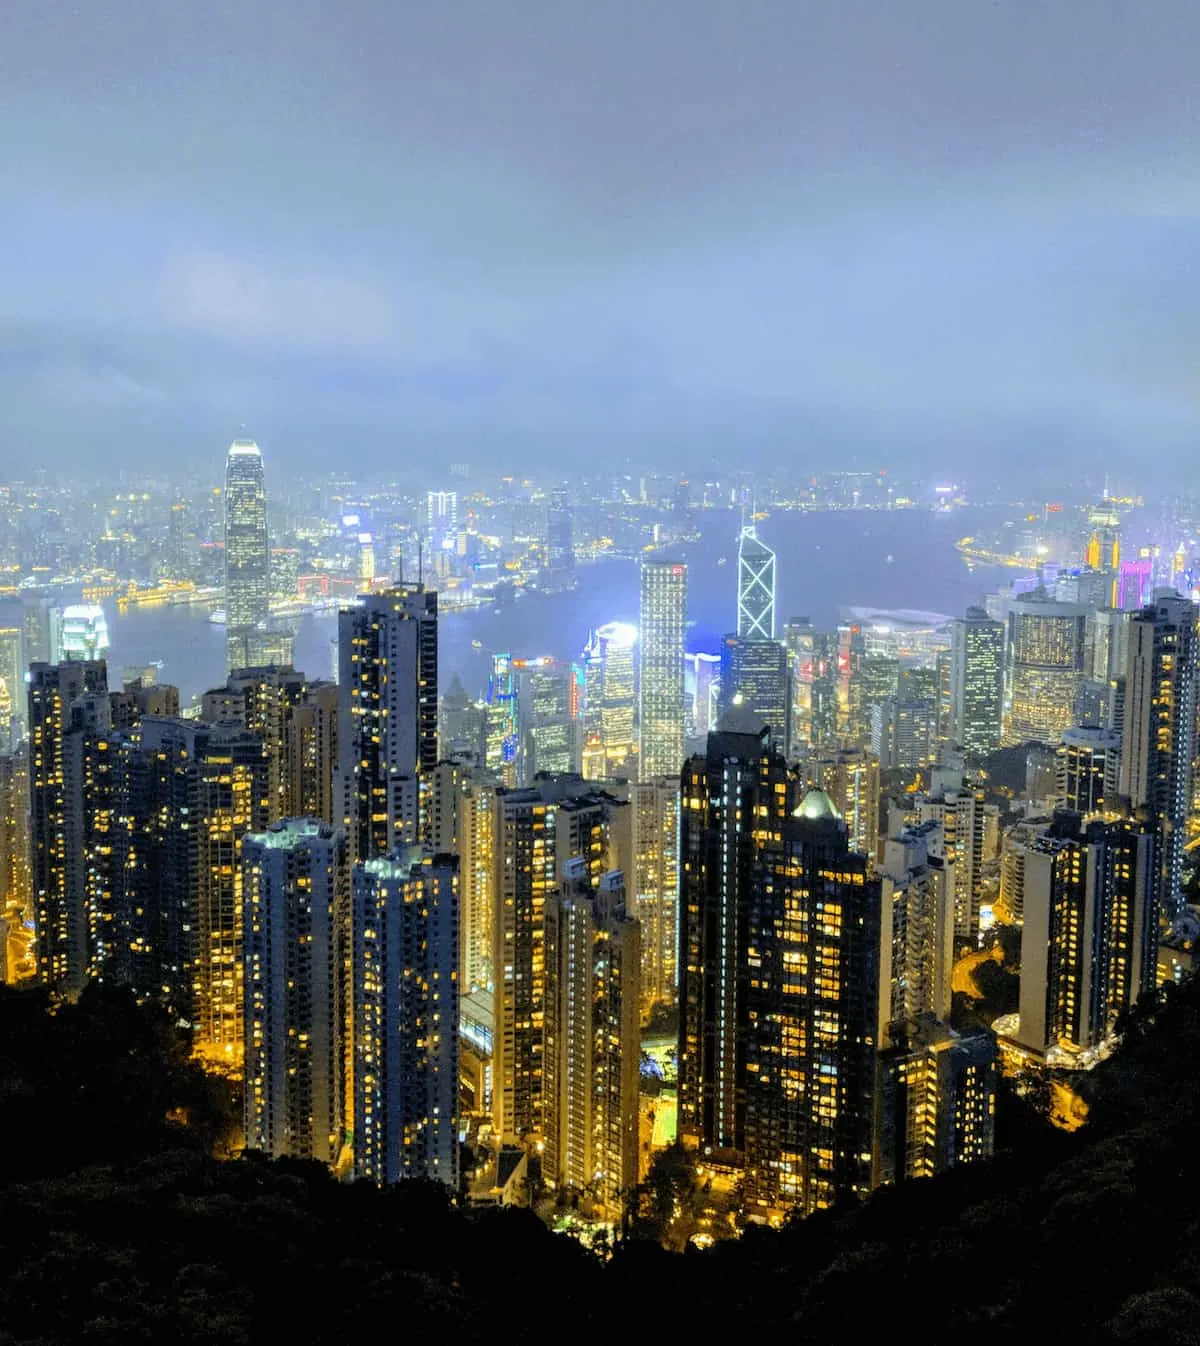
<point x="404" y="984"/>
<point x="59" y="700"/>
<point x="537" y="830"/>
<point x="734" y="798"/>
<point x="608" y="718"/>
<point x="1159" y="732"/>
<point x="247" y="554"/>
<point x="754" y="678"/>
<point x="1087" y="769"/>
<point x="976" y="682"/>
<point x="654" y="899"/>
<point x="16" y="907"/>
<point x="756" y="588"/>
<point x="295" y="918"/>
<point x="811" y="1039"/>
<point x="1089" y="933"/>
<point x="548" y="699"/>
<point x="12" y="693"/>
<point x="464" y="824"/>
<point x="660" y="687"/>
<point x="388" y="717"/>
<point x="1046" y="664"/>
<point x="593" y="1043"/>
<point x="917" y="933"/>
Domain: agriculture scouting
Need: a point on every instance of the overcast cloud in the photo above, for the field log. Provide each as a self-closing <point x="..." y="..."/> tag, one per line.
<point x="892" y="232"/>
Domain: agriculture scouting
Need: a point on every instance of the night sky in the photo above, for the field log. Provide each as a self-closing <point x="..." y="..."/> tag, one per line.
<point x="926" y="233"/>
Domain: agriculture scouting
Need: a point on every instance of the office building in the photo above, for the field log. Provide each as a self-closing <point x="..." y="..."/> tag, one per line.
<point x="537" y="830"/>
<point x="1158" y="742"/>
<point x="387" y="733"/>
<point x="936" y="1102"/>
<point x="903" y="733"/>
<point x="405" y="996"/>
<point x="976" y="682"/>
<point x="503" y="735"/>
<point x="812" y="988"/>
<point x="1089" y="934"/>
<point x="593" y="1042"/>
<point x="756" y="588"/>
<point x="1087" y="769"/>
<point x="609" y="713"/>
<point x="754" y="679"/>
<point x="702" y="675"/>
<point x="549" y="700"/>
<point x="661" y="658"/>
<point x="1046" y="663"/>
<point x="295" y="919"/>
<point x="247" y="555"/>
<point x="84" y="632"/>
<point x="441" y="521"/>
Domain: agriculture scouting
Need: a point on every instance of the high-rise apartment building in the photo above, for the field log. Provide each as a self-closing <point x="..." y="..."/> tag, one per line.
<point x="967" y="840"/>
<point x="536" y="831"/>
<point x="1089" y="933"/>
<point x="903" y="733"/>
<point x="63" y="699"/>
<point x="917" y="929"/>
<point x="12" y="688"/>
<point x="260" y="699"/>
<point x="654" y="900"/>
<point x="592" y="1039"/>
<point x="734" y="800"/>
<point x="1158" y="742"/>
<point x="936" y="1104"/>
<point x="388" y="717"/>
<point x="976" y="682"/>
<point x="405" y="997"/>
<point x="295" y="905"/>
<point x="310" y="754"/>
<point x="1047" y="659"/>
<point x="464" y="824"/>
<point x="661" y="657"/>
<point x="756" y="588"/>
<point x="1087" y="769"/>
<point x="16" y="906"/>
<point x="812" y="985"/>
<point x="851" y="780"/>
<point x="247" y="555"/>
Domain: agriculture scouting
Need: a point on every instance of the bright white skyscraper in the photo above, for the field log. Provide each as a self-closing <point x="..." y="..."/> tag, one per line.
<point x="756" y="588"/>
<point x="247" y="554"/>
<point x="660" y="689"/>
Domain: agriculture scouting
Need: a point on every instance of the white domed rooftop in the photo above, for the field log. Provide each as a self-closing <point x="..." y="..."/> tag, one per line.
<point x="816" y="806"/>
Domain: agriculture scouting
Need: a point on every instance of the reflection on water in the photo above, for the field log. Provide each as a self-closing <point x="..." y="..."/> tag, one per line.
<point x="825" y="562"/>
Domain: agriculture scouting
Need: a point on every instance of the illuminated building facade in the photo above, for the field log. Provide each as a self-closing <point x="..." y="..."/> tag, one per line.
<point x="1159" y="730"/>
<point x="310" y="754"/>
<point x="261" y="700"/>
<point x="903" y="733"/>
<point x="62" y="698"/>
<point x="464" y="824"/>
<point x="654" y="806"/>
<point x="1046" y="663"/>
<point x="405" y="992"/>
<point x="811" y="1005"/>
<point x="1087" y="769"/>
<point x="12" y="688"/>
<point x="800" y="641"/>
<point x="295" y="922"/>
<point x="247" y="555"/>
<point x="851" y="780"/>
<point x="936" y="1100"/>
<point x="917" y="928"/>
<point x="661" y="658"/>
<point x="734" y="800"/>
<point x="1089" y="934"/>
<point x="593" y="1039"/>
<point x="388" y="717"/>
<point x="976" y="682"/>
<point x="84" y="632"/>
<point x="608" y="724"/>
<point x="967" y="841"/>
<point x="549" y="698"/>
<point x="756" y="588"/>
<point x="16" y="907"/>
<point x="702" y="681"/>
<point x="754" y="677"/>
<point x="536" y="831"/>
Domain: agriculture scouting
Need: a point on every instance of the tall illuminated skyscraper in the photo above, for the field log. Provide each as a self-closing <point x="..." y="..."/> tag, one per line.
<point x="404" y="984"/>
<point x="295" y="918"/>
<point x="593" y="1043"/>
<point x="464" y="824"/>
<point x="608" y="748"/>
<point x="12" y="676"/>
<point x="754" y="678"/>
<point x="661" y="655"/>
<point x="977" y="682"/>
<point x="1159" y="732"/>
<point x="655" y="890"/>
<point x="387" y="732"/>
<point x="247" y="554"/>
<point x="1046" y="665"/>
<point x="15" y="899"/>
<point x="756" y="588"/>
